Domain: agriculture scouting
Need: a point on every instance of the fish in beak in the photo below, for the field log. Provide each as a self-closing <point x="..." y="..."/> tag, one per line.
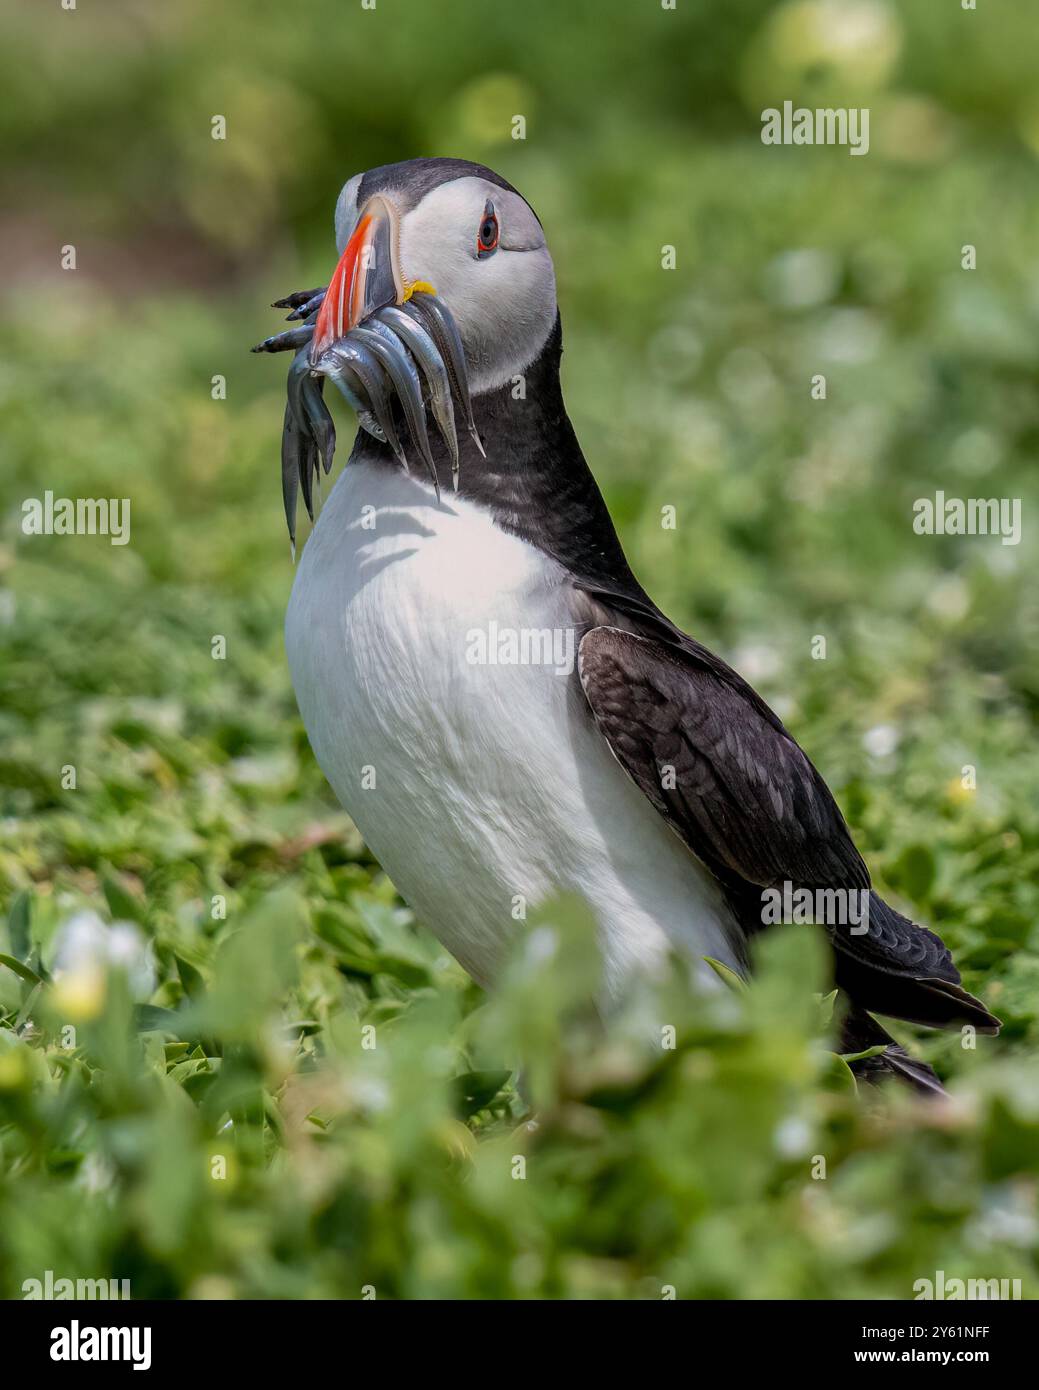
<point x="388" y="344"/>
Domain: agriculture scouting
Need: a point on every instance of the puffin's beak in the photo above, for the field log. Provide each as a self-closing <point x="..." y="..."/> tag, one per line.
<point x="380" y="339"/>
<point x="368" y="276"/>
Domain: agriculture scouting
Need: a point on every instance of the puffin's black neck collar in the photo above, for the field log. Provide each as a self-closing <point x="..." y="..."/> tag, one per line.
<point x="534" y="479"/>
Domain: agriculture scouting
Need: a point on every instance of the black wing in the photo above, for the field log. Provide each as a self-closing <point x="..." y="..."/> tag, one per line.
<point x="720" y="767"/>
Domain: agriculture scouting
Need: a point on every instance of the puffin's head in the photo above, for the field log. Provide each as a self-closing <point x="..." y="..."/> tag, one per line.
<point x="455" y="230"/>
<point x="444" y="289"/>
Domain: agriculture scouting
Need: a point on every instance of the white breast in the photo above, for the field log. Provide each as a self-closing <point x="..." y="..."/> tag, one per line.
<point x="475" y="785"/>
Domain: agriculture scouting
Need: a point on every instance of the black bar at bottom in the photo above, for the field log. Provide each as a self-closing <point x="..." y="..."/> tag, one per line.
<point x="74" y="1339"/>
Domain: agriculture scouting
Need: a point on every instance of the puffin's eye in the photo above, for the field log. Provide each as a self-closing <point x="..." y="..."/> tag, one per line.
<point x="487" y="236"/>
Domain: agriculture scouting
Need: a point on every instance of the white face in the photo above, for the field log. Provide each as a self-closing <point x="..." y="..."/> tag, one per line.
<point x="504" y="303"/>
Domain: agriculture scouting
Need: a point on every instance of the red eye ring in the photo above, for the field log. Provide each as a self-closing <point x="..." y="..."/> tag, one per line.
<point x="487" y="233"/>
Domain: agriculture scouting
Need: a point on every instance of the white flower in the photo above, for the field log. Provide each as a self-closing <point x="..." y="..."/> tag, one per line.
<point x="87" y="950"/>
<point x="880" y="741"/>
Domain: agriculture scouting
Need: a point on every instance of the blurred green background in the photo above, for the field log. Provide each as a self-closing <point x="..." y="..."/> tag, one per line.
<point x="196" y="938"/>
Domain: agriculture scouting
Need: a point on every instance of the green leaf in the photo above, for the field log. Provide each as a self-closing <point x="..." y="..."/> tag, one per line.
<point x="35" y="963"/>
<point x="19" y="925"/>
<point x="826" y="1003"/>
<point x="726" y="974"/>
<point x="188" y="1068"/>
<point x="149" y="1018"/>
<point x="915" y="871"/>
<point x="338" y="927"/>
<point x="20" y="969"/>
<point x="303" y="1028"/>
<point x="28" y="1006"/>
<point x="861" y="1056"/>
<point x="199" y="1082"/>
<point x="838" y="1076"/>
<point x="474" y="1090"/>
<point x="122" y="904"/>
<point x="193" y="984"/>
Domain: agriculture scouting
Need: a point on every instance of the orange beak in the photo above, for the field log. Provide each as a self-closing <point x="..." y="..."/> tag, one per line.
<point x="367" y="278"/>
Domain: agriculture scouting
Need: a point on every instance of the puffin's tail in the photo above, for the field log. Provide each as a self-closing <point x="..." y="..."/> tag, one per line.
<point x="903" y="970"/>
<point x="861" y="1031"/>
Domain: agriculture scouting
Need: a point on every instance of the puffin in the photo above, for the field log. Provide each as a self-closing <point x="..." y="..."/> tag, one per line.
<point x="496" y="701"/>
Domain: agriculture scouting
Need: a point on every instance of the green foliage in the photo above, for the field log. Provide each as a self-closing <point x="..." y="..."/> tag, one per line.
<point x="312" y="1139"/>
<point x="196" y="939"/>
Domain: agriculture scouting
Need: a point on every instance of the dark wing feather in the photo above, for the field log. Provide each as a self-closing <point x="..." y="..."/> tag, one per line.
<point x="745" y="797"/>
<point x="720" y="767"/>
